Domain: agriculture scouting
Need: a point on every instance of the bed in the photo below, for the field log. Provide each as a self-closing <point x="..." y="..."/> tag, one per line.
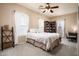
<point x="46" y="41"/>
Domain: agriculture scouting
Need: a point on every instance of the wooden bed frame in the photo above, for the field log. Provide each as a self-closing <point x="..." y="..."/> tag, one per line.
<point x="42" y="45"/>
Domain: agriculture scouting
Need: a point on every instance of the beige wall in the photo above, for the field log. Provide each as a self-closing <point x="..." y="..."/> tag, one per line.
<point x="78" y="33"/>
<point x="7" y="15"/>
<point x="70" y="20"/>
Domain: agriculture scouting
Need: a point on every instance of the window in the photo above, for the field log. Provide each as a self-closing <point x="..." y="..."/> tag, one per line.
<point x="21" y="23"/>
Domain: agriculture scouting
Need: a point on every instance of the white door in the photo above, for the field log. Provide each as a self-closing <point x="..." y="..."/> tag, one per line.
<point x="60" y="27"/>
<point x="21" y="26"/>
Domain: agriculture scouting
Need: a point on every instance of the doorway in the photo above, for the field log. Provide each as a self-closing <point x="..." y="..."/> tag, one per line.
<point x="61" y="27"/>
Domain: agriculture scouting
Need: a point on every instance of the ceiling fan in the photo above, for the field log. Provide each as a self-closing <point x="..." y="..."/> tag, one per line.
<point x="48" y="7"/>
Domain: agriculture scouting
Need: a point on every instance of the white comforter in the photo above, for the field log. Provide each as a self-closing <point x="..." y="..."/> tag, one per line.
<point x="46" y="38"/>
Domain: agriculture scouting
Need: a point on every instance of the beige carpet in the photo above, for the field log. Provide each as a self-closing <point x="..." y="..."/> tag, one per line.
<point x="30" y="50"/>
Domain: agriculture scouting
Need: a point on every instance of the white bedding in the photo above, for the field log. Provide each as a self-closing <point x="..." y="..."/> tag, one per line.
<point x="46" y="38"/>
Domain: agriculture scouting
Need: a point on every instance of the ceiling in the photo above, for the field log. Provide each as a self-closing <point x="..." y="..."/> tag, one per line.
<point x="64" y="8"/>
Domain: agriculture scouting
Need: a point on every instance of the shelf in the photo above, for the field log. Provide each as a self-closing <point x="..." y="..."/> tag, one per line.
<point x="7" y="35"/>
<point x="50" y="26"/>
<point x="7" y="30"/>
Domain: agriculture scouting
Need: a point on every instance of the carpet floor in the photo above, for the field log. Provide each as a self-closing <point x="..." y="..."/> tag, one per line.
<point x="30" y="50"/>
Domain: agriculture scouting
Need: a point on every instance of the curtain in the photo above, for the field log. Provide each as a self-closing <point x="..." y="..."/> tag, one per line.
<point x="21" y="25"/>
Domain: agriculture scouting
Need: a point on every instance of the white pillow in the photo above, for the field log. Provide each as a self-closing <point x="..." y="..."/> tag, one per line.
<point x="32" y="30"/>
<point x="36" y="30"/>
<point x="41" y="30"/>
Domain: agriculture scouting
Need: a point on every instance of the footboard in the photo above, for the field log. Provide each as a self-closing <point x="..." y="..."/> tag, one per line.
<point x="36" y="43"/>
<point x="42" y="45"/>
<point x="55" y="43"/>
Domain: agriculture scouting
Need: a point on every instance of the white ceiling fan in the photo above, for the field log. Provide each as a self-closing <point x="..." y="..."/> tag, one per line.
<point x="48" y="7"/>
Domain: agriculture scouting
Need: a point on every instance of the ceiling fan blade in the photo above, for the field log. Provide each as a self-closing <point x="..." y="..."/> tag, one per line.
<point x="54" y="7"/>
<point x="51" y="11"/>
<point x="44" y="11"/>
<point x="42" y="8"/>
